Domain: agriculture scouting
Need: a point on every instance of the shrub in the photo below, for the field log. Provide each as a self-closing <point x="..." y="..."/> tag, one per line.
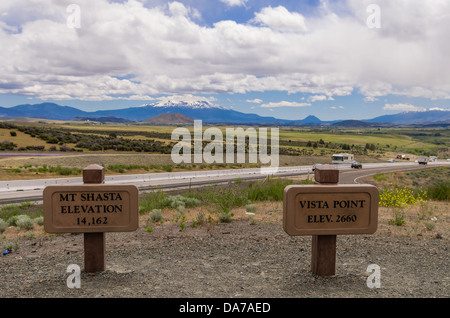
<point x="180" y="202"/>
<point x="24" y="222"/>
<point x="200" y="218"/>
<point x="225" y="217"/>
<point x="3" y="225"/>
<point x="11" y="245"/>
<point x="12" y="221"/>
<point x="30" y="235"/>
<point x="429" y="225"/>
<point x="182" y="222"/>
<point x="39" y="220"/>
<point x="440" y="191"/>
<point x="156" y="215"/>
<point x="399" y="218"/>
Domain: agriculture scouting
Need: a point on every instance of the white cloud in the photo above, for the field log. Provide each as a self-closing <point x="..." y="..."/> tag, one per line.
<point x="255" y="101"/>
<point x="186" y="98"/>
<point x="402" y="107"/>
<point x="234" y="3"/>
<point x="409" y="107"/>
<point x="370" y="99"/>
<point x="284" y="104"/>
<point x="319" y="98"/>
<point x="168" y="52"/>
<point x="281" y="19"/>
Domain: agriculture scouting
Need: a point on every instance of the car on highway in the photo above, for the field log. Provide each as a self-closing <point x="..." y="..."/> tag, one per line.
<point x="315" y="165"/>
<point x="356" y="165"/>
<point x="391" y="160"/>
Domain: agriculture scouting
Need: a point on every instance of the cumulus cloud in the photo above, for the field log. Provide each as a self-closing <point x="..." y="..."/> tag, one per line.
<point x="332" y="53"/>
<point x="402" y="107"/>
<point x="281" y="19"/>
<point x="319" y="98"/>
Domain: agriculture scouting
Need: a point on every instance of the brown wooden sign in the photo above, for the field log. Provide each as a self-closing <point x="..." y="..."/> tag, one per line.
<point x="330" y="209"/>
<point x="91" y="208"/>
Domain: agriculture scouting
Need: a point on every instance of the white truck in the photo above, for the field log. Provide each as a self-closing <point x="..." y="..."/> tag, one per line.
<point x="422" y="160"/>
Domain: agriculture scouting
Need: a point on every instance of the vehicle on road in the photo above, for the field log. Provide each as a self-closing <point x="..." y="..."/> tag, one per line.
<point x="391" y="160"/>
<point x="402" y="157"/>
<point x="422" y="160"/>
<point x="356" y="165"/>
<point x="315" y="165"/>
<point x="342" y="158"/>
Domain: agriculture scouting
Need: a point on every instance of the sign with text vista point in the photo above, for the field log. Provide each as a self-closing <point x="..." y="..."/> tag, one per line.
<point x="91" y="208"/>
<point x="330" y="209"/>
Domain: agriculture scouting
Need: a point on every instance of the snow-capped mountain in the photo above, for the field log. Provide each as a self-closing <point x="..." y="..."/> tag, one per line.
<point x="197" y="104"/>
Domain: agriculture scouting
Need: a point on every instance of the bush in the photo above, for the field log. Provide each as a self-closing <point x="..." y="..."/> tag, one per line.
<point x="399" y="218"/>
<point x="7" y="145"/>
<point x="24" y="222"/>
<point x="225" y="217"/>
<point x="440" y="191"/>
<point x="200" y="218"/>
<point x="181" y="202"/>
<point x="12" y="221"/>
<point x="3" y="225"/>
<point x="39" y="220"/>
<point x="156" y="215"/>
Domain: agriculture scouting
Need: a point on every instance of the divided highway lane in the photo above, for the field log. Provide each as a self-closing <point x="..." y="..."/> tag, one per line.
<point x="354" y="176"/>
<point x="31" y="190"/>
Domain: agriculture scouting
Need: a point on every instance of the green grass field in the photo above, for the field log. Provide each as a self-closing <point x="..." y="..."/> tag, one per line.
<point x="298" y="145"/>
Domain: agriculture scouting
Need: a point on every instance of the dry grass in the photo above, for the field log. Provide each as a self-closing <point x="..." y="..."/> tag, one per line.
<point x="428" y="221"/>
<point x="22" y="139"/>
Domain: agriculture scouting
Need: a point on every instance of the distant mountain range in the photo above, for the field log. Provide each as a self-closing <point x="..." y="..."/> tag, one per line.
<point x="208" y="113"/>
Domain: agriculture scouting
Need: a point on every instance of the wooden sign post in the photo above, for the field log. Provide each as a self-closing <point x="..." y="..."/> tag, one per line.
<point x="94" y="243"/>
<point x="93" y="209"/>
<point x="326" y="210"/>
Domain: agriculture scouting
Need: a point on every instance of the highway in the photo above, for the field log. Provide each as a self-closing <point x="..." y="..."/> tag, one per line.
<point x="31" y="190"/>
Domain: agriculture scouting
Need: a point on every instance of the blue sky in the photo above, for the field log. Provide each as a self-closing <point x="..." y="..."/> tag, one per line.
<point x="342" y="59"/>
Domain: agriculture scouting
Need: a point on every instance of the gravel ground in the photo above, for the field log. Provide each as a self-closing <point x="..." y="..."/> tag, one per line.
<point x="231" y="260"/>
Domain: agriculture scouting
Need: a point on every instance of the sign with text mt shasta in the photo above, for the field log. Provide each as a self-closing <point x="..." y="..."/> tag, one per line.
<point x="91" y="208"/>
<point x="330" y="210"/>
